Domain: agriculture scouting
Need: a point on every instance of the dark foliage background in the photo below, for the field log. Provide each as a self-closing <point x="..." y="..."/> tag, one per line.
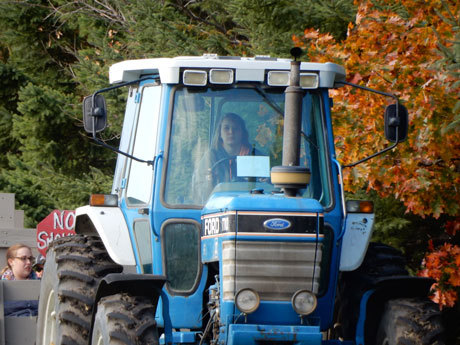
<point x="53" y="53"/>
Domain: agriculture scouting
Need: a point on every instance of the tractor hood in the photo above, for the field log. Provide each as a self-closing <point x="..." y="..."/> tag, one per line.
<point x="256" y="201"/>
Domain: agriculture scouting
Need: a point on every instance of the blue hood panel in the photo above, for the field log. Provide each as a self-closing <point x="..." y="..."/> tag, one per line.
<point x="243" y="201"/>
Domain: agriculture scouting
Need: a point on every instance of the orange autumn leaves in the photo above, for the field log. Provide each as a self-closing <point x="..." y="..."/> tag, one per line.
<point x="443" y="265"/>
<point x="399" y="51"/>
<point x="387" y="52"/>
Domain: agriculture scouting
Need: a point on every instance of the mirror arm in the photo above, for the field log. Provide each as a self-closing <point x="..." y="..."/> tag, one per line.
<point x="100" y="142"/>
<point x="397" y="117"/>
<point x="373" y="155"/>
<point x="369" y="89"/>
<point x="103" y="144"/>
<point x="117" y="86"/>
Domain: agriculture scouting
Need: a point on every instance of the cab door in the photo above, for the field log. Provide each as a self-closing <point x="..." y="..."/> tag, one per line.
<point x="179" y="225"/>
<point x="137" y="183"/>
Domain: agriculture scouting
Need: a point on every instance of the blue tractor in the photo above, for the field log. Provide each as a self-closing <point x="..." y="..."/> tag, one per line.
<point x="227" y="221"/>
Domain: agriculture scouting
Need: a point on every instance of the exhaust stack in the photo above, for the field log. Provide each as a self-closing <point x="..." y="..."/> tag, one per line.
<point x="291" y="177"/>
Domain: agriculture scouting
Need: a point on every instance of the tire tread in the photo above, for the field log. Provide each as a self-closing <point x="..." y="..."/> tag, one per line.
<point x="411" y="321"/>
<point x="130" y="320"/>
<point x="79" y="263"/>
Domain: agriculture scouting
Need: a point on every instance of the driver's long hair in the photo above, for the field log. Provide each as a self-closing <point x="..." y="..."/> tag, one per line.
<point x="217" y="140"/>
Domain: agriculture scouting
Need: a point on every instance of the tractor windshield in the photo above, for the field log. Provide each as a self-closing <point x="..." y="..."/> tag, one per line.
<point x="228" y="139"/>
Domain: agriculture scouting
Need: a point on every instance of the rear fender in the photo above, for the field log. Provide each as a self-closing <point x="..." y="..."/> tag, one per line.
<point x="373" y="302"/>
<point x="110" y="225"/>
<point x="147" y="285"/>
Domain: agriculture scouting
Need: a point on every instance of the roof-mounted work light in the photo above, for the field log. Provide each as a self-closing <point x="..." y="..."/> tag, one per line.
<point x="281" y="78"/>
<point x="195" y="78"/>
<point x="278" y="78"/>
<point x="221" y="76"/>
<point x="308" y="81"/>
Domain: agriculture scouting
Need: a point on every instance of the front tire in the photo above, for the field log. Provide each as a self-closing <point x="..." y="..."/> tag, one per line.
<point x="123" y="319"/>
<point x="73" y="269"/>
<point x="410" y="321"/>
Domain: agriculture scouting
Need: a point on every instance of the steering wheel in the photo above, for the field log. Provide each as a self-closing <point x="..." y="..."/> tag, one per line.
<point x="222" y="160"/>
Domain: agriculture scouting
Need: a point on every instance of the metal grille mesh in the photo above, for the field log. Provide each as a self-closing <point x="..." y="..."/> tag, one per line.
<point x="276" y="270"/>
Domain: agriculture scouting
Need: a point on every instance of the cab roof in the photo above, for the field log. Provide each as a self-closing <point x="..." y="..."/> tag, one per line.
<point x="247" y="69"/>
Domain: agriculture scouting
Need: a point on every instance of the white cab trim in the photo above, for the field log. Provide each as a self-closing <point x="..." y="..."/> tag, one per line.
<point x="247" y="69"/>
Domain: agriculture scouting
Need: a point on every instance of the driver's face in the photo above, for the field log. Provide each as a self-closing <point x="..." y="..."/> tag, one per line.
<point x="230" y="132"/>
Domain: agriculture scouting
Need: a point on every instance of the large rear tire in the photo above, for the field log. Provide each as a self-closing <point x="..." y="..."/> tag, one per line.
<point x="123" y="319"/>
<point x="410" y="321"/>
<point x="73" y="269"/>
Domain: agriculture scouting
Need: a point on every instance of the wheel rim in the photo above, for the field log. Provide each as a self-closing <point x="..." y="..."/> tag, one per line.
<point x="97" y="339"/>
<point x="50" y="321"/>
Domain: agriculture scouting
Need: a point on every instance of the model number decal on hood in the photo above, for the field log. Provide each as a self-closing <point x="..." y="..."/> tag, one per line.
<point x="277" y="224"/>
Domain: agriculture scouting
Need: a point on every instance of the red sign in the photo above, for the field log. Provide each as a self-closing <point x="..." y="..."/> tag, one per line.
<point x="57" y="224"/>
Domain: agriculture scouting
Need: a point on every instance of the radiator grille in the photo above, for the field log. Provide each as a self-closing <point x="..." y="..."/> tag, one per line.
<point x="276" y="270"/>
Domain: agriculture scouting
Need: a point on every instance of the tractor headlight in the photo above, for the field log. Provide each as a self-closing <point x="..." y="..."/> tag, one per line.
<point x="304" y="302"/>
<point x="247" y="300"/>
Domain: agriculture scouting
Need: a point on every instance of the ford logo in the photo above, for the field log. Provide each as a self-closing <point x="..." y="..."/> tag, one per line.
<point x="277" y="224"/>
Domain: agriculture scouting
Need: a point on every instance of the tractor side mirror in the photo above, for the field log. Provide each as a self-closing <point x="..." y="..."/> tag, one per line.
<point x="94" y="113"/>
<point x="395" y="121"/>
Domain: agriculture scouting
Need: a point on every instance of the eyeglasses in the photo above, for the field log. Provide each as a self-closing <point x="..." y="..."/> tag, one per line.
<point x="25" y="258"/>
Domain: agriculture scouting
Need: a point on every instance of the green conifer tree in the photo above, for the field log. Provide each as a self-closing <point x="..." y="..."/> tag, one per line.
<point x="55" y="52"/>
